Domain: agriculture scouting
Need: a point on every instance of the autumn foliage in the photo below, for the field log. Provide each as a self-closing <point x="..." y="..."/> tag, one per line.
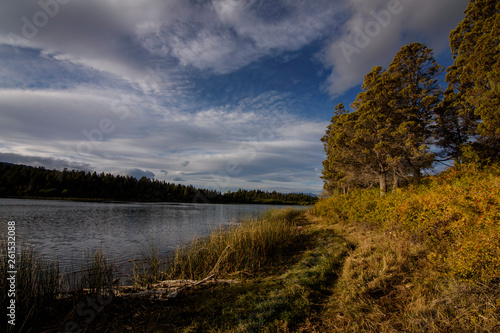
<point x="455" y="214"/>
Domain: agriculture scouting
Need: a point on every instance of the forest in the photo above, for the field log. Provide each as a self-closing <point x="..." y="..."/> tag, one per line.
<point x="29" y="182"/>
<point x="403" y="122"/>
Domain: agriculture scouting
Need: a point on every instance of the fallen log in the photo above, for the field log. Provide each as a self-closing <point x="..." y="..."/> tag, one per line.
<point x="164" y="290"/>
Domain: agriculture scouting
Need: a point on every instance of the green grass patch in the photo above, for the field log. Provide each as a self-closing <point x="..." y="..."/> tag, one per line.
<point x="280" y="302"/>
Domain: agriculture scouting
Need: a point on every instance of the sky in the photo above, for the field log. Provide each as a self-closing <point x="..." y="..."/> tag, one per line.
<point x="219" y="94"/>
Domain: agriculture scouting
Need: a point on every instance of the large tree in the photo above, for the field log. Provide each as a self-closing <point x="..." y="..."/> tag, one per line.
<point x="475" y="75"/>
<point x="455" y="125"/>
<point x="389" y="131"/>
<point x="376" y="138"/>
<point x="360" y="146"/>
<point x="340" y="163"/>
<point x="415" y="94"/>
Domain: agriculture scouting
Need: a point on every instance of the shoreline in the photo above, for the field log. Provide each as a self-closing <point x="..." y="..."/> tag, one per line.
<point x="105" y="200"/>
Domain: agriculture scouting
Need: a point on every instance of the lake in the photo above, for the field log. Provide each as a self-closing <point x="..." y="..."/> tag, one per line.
<point x="63" y="230"/>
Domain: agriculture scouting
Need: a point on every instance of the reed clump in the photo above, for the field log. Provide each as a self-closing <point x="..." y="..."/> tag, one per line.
<point x="241" y="249"/>
<point x="96" y="274"/>
<point x="150" y="266"/>
<point x="40" y="284"/>
<point x="37" y="284"/>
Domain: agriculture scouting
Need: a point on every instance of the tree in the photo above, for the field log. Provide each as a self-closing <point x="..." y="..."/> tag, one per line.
<point x="337" y="163"/>
<point x="360" y="146"/>
<point x="415" y="94"/>
<point x="377" y="147"/>
<point x="455" y="125"/>
<point x="389" y="132"/>
<point x="475" y="74"/>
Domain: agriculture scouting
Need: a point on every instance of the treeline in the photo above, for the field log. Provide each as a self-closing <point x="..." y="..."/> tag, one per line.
<point x="25" y="181"/>
<point x="403" y="122"/>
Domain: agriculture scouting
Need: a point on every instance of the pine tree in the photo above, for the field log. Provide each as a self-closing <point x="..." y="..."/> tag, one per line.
<point x="333" y="176"/>
<point x="389" y="132"/>
<point x="475" y="74"/>
<point x="376" y="146"/>
<point x="415" y="94"/>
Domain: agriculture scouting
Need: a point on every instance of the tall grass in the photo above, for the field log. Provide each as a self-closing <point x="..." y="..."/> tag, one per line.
<point x="244" y="248"/>
<point x="455" y="214"/>
<point x="40" y="284"/>
<point x="96" y="273"/>
<point x="150" y="266"/>
<point x="37" y="284"/>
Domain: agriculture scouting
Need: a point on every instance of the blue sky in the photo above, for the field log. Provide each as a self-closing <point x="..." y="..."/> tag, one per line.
<point x="220" y="94"/>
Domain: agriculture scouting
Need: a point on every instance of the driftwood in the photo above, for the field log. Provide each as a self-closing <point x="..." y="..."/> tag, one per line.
<point x="165" y="290"/>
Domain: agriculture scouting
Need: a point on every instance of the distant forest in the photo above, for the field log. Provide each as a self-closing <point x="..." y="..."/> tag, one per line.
<point x="30" y="182"/>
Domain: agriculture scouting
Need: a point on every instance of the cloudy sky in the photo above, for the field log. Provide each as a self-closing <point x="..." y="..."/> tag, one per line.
<point x="220" y="94"/>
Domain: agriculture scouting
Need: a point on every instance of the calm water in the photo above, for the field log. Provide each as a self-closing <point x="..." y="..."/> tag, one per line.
<point x="63" y="230"/>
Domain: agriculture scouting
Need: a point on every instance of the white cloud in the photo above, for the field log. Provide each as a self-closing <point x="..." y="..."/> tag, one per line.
<point x="255" y="138"/>
<point x="125" y="39"/>
<point x="231" y="34"/>
<point x="121" y="75"/>
<point x="378" y="29"/>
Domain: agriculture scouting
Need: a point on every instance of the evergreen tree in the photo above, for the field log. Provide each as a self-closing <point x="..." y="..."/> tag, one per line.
<point x="375" y="144"/>
<point x="336" y="167"/>
<point x="21" y="181"/>
<point x="475" y="75"/>
<point x="415" y="94"/>
<point x="389" y="132"/>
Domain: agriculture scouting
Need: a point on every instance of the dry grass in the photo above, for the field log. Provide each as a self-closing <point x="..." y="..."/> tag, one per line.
<point x="426" y="257"/>
<point x="150" y="267"/>
<point x="242" y="249"/>
<point x="37" y="285"/>
<point x="388" y="284"/>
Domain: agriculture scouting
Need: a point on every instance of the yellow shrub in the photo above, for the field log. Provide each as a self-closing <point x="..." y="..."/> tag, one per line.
<point x="456" y="214"/>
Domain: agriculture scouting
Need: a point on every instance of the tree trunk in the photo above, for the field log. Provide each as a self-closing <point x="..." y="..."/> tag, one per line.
<point x="395" y="180"/>
<point x="383" y="183"/>
<point x="416" y="175"/>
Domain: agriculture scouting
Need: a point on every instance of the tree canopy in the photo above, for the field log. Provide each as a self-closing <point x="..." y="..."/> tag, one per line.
<point x="474" y="77"/>
<point x="387" y="134"/>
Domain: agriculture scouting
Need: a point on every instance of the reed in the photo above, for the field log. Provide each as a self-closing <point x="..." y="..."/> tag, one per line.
<point x="37" y="284"/>
<point x="149" y="267"/>
<point x="96" y="272"/>
<point x="245" y="248"/>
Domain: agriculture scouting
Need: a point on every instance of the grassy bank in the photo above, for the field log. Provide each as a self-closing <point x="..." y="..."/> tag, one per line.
<point x="244" y="249"/>
<point x="281" y="269"/>
<point x="426" y="257"/>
